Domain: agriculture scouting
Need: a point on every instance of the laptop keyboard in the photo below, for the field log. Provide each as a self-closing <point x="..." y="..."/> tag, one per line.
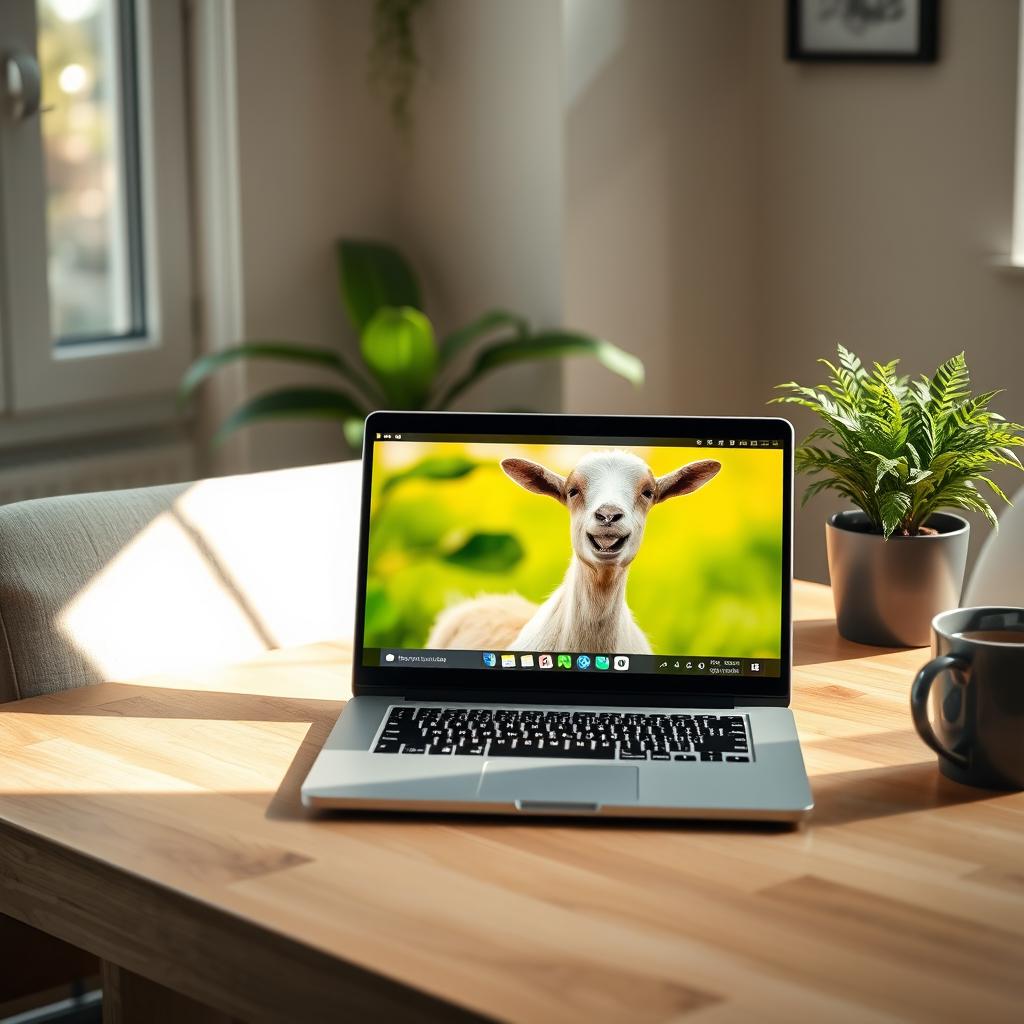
<point x="584" y="735"/>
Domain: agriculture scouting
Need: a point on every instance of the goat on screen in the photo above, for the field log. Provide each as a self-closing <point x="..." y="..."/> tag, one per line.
<point x="608" y="495"/>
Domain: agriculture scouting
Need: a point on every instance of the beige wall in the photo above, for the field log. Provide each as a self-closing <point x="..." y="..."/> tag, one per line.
<point x="317" y="161"/>
<point x="482" y="185"/>
<point x="883" y="193"/>
<point x="659" y="201"/>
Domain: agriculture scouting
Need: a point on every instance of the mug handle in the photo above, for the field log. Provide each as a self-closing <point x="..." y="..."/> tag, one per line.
<point x="919" y="703"/>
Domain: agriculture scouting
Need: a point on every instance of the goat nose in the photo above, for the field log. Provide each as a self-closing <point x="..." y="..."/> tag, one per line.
<point x="608" y="514"/>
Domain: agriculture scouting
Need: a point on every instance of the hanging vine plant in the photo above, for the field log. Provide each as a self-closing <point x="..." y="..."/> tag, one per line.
<point x="394" y="57"/>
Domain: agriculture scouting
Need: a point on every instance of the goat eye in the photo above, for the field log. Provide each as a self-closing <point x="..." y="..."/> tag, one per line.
<point x="573" y="491"/>
<point x="648" y="493"/>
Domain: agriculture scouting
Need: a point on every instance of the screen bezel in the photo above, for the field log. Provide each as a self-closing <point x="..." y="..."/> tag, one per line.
<point x="577" y="688"/>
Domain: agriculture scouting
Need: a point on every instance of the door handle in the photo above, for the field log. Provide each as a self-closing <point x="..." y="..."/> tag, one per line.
<point x="24" y="85"/>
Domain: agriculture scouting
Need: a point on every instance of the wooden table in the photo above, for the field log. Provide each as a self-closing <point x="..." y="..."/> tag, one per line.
<point x="158" y="825"/>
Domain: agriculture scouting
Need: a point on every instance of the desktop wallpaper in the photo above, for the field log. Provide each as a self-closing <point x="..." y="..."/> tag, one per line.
<point x="449" y="525"/>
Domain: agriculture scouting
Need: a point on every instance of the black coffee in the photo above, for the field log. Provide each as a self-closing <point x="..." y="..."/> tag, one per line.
<point x="993" y="636"/>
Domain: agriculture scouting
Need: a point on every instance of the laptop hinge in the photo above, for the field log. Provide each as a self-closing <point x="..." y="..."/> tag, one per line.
<point x="659" y="700"/>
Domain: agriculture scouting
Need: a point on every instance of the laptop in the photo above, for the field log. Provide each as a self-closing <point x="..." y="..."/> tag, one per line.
<point x="571" y="615"/>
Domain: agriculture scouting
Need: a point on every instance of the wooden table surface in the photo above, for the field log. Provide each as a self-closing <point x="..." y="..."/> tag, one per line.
<point x="158" y="825"/>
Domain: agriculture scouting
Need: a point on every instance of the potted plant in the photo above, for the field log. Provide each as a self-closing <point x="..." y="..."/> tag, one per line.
<point x="901" y="450"/>
<point x="403" y="365"/>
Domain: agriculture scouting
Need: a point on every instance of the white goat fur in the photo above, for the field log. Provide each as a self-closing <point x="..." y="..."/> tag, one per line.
<point x="608" y="495"/>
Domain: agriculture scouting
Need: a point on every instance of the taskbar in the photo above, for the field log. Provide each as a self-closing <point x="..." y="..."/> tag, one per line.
<point x="593" y="664"/>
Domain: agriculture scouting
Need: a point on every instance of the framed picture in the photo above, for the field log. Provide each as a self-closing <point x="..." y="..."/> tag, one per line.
<point x="862" y="30"/>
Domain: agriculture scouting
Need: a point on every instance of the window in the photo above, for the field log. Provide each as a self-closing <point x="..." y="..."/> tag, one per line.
<point x="94" y="253"/>
<point x="91" y="152"/>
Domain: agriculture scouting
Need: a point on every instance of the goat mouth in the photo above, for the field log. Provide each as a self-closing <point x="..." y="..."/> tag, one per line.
<point x="607" y="550"/>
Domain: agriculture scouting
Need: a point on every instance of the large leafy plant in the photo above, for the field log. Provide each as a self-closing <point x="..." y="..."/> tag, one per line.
<point x="403" y="365"/>
<point x="901" y="448"/>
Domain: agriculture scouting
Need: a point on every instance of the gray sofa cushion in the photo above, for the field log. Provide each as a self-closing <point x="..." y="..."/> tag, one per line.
<point x="124" y="584"/>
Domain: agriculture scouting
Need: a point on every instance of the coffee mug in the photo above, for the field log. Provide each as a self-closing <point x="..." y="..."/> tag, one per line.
<point x="976" y="681"/>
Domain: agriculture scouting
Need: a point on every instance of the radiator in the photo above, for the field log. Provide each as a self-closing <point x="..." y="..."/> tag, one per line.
<point x="100" y="471"/>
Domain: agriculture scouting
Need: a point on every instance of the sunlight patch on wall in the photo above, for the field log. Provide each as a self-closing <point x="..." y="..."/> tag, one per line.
<point x="594" y="32"/>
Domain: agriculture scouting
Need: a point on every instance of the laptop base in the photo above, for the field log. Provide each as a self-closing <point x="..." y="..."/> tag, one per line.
<point x="771" y="787"/>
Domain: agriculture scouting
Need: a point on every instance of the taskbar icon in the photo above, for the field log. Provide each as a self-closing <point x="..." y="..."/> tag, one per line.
<point x="582" y="662"/>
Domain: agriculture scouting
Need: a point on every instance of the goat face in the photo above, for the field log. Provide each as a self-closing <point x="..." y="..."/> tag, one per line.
<point x="608" y="495"/>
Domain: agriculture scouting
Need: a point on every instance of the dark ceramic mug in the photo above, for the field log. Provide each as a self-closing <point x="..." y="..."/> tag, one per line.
<point x="976" y="683"/>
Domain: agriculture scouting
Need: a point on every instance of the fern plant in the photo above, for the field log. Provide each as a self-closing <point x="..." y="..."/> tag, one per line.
<point x="901" y="448"/>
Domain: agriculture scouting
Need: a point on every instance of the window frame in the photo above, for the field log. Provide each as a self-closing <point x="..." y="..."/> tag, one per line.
<point x="1016" y="257"/>
<point x="41" y="375"/>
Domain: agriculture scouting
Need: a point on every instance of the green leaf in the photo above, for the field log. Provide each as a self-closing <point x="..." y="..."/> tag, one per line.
<point x="546" y="345"/>
<point x="487" y="552"/>
<point x="398" y="346"/>
<point x="380" y="614"/>
<point x="436" y="467"/>
<point x="949" y="385"/>
<point x="851" y="363"/>
<point x="968" y="498"/>
<point x="353" y="430"/>
<point x="326" y="358"/>
<point x="374" y="275"/>
<point x="884" y="468"/>
<point x="995" y="488"/>
<point x="893" y="506"/>
<point x="1010" y="456"/>
<point x="816" y="488"/>
<point x="483" y="325"/>
<point x="291" y="403"/>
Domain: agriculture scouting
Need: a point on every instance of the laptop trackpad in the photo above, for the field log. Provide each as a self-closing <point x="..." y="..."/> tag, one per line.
<point x="559" y="784"/>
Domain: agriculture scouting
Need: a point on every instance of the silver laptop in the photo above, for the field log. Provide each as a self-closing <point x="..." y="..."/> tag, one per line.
<point x="571" y="615"/>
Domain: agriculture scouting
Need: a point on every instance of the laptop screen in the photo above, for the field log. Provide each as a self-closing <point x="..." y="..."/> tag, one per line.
<point x="568" y="561"/>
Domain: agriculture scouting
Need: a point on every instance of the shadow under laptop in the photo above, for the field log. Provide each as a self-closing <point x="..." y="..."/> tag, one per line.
<point x="509" y="821"/>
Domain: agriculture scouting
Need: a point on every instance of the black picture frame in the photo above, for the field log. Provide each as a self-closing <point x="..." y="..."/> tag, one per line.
<point x="924" y="52"/>
<point x="572" y="688"/>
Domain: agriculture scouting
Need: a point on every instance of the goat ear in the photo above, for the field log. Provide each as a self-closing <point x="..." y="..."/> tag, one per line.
<point x="534" y="477"/>
<point x="686" y="479"/>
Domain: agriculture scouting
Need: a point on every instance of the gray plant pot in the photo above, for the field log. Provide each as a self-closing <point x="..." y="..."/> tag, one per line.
<point x="887" y="592"/>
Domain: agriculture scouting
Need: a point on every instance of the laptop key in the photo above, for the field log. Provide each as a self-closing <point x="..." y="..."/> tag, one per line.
<point x="734" y="758"/>
<point x="686" y="757"/>
<point x="500" y="748"/>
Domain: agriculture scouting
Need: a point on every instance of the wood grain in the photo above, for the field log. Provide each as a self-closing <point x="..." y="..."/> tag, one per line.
<point x="158" y="825"/>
